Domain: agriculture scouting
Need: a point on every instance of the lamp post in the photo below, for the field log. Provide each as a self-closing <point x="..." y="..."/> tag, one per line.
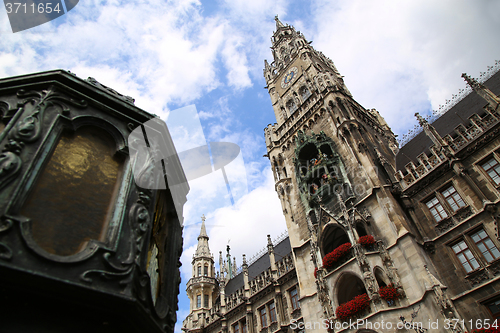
<point x="83" y="248"/>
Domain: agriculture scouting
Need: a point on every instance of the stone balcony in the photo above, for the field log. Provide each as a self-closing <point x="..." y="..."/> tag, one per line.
<point x="457" y="140"/>
<point x="200" y="280"/>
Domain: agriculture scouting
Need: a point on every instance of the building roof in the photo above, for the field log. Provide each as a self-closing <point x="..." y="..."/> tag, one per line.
<point x="260" y="265"/>
<point x="458" y="114"/>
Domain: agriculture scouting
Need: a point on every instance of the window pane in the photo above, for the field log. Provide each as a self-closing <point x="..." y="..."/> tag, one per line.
<point x="436" y="209"/>
<point x="495" y="252"/>
<point x="485" y="245"/>
<point x="494" y="307"/>
<point x="453" y="198"/>
<point x="474" y="263"/>
<point x="272" y="312"/>
<point x="467" y="267"/>
<point x="488" y="256"/>
<point x="482" y="247"/>
<point x="465" y="256"/>
<point x="73" y="198"/>
<point x="462" y="258"/>
<point x="263" y="317"/>
<point x="492" y="168"/>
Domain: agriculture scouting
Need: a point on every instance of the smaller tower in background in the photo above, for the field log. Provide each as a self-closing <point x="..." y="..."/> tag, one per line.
<point x="202" y="287"/>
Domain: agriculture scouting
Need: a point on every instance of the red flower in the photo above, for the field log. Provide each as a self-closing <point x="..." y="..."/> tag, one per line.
<point x="490" y="330"/>
<point x="331" y="258"/>
<point x="366" y="240"/>
<point x="389" y="293"/>
<point x="315" y="272"/>
<point x="354" y="306"/>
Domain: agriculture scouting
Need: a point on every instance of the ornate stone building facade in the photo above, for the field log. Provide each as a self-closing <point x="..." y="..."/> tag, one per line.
<point x="381" y="234"/>
<point x="261" y="296"/>
<point x="395" y="239"/>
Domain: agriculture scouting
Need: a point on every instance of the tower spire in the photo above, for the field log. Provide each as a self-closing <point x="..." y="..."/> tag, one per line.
<point x="202" y="250"/>
<point x="203" y="231"/>
<point x="482" y="91"/>
<point x="278" y="23"/>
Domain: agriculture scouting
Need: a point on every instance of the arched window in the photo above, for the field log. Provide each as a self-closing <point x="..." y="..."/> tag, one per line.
<point x="381" y="278"/>
<point x="198" y="301"/>
<point x="333" y="237"/>
<point x="343" y="108"/>
<point x="84" y="167"/>
<point x="361" y="229"/>
<point x="283" y="52"/>
<point x="313" y="218"/>
<point x="348" y="287"/>
<point x="291" y="106"/>
<point x="304" y="92"/>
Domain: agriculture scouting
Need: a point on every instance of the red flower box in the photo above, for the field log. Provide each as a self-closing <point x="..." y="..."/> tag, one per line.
<point x="367" y="240"/>
<point x="489" y="330"/>
<point x="389" y="293"/>
<point x="357" y="304"/>
<point x="331" y="258"/>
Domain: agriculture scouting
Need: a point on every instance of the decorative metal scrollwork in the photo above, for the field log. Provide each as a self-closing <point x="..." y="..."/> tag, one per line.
<point x="119" y="271"/>
<point x="5" y="251"/>
<point x="29" y="128"/>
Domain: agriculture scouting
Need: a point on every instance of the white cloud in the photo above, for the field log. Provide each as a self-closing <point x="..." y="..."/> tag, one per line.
<point x="235" y="59"/>
<point x="398" y="57"/>
<point x="403" y="57"/>
<point x="245" y="225"/>
<point x="158" y="52"/>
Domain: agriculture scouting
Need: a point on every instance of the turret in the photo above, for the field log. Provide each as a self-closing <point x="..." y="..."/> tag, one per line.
<point x="202" y="288"/>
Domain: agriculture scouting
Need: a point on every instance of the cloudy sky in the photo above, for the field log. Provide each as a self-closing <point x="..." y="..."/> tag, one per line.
<point x="398" y="57"/>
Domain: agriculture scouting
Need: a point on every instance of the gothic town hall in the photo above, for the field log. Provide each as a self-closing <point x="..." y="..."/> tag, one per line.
<point x="395" y="238"/>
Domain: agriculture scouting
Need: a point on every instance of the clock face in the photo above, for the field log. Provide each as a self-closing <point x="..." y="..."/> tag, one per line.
<point x="288" y="77"/>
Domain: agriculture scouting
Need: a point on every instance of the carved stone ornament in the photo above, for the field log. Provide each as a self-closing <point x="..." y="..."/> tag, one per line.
<point x="494" y="267"/>
<point x="478" y="277"/>
<point x="445" y="225"/>
<point x="429" y="246"/>
<point x="463" y="213"/>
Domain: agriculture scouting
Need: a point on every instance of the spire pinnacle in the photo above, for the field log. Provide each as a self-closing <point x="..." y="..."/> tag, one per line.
<point x="482" y="91"/>
<point x="203" y="231"/>
<point x="431" y="132"/>
<point x="278" y="23"/>
<point x="471" y="81"/>
<point x="229" y="263"/>
<point x="421" y="120"/>
<point x="202" y="248"/>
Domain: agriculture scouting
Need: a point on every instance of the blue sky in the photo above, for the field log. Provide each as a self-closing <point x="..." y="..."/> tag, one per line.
<point x="398" y="57"/>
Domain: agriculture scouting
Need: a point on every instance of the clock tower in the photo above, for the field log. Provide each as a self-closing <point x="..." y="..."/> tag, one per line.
<point x="334" y="164"/>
